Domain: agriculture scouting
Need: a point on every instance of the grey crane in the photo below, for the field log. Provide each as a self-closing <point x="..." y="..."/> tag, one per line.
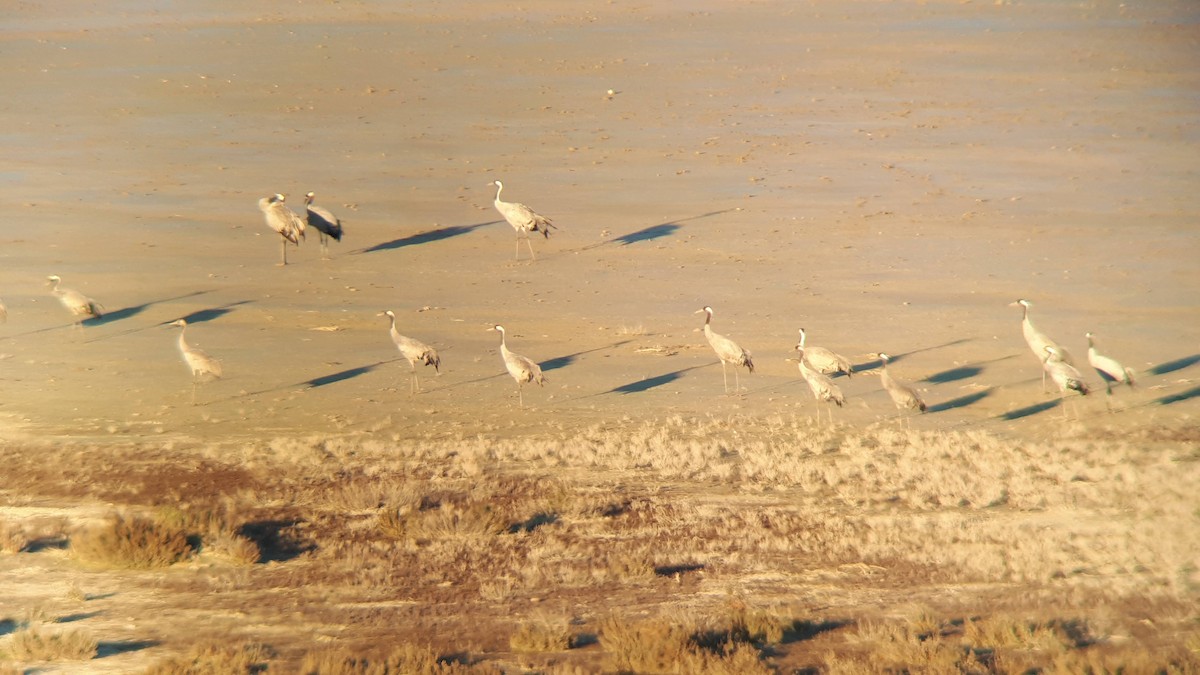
<point x="521" y="368"/>
<point x="415" y="352"/>
<point x="78" y="304"/>
<point x="1038" y="341"/>
<point x="825" y="360"/>
<point x="822" y="387"/>
<point x="283" y="220"/>
<point x="1066" y="376"/>
<point x="1110" y="370"/>
<point x="523" y="219"/>
<point x="904" y="396"/>
<point x="727" y="351"/>
<point x="324" y="222"/>
<point x="204" y="367"/>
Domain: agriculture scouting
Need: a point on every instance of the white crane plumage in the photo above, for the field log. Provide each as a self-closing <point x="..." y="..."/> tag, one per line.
<point x="415" y="352"/>
<point x="78" y="304"/>
<point x="904" y="396"/>
<point x="822" y="387"/>
<point x="825" y="360"/>
<point x="1066" y="376"/>
<point x="727" y="351"/>
<point x="1109" y="369"/>
<point x="285" y="222"/>
<point x="324" y="222"/>
<point x="1038" y="341"/>
<point x="204" y="367"/>
<point x="3" y="312"/>
<point x="519" y="367"/>
<point x="523" y="219"/>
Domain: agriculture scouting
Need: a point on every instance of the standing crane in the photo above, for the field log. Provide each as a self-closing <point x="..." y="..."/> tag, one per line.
<point x="904" y="396"/>
<point x="324" y="222"/>
<point x="521" y="368"/>
<point x="78" y="304"/>
<point x="1110" y="370"/>
<point x="283" y="220"/>
<point x="1038" y="341"/>
<point x="727" y="351"/>
<point x="414" y="351"/>
<point x="204" y="367"/>
<point x="825" y="360"/>
<point x="523" y="219"/>
<point x="822" y="387"/>
<point x="1065" y="375"/>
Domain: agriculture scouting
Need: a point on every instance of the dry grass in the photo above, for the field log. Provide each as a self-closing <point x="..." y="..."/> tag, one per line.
<point x="13" y="538"/>
<point x="407" y="659"/>
<point x="131" y="542"/>
<point x="543" y="634"/>
<point x="217" y="659"/>
<point x="39" y="642"/>
<point x="735" y="527"/>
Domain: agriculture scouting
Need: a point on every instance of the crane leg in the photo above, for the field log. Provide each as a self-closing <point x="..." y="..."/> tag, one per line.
<point x="283" y="250"/>
<point x="520" y="395"/>
<point x="532" y="255"/>
<point x="725" y="377"/>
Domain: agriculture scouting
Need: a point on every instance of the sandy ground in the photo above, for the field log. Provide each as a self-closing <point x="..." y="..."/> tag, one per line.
<point x="888" y="176"/>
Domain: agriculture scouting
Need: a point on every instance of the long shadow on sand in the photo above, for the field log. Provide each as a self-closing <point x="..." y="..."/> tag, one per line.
<point x="654" y="231"/>
<point x="341" y="375"/>
<point x="126" y="312"/>
<point x="1172" y="366"/>
<point x="1181" y="396"/>
<point x="564" y="361"/>
<point x="1030" y="410"/>
<point x="425" y="237"/>
<point x="960" y="402"/>
<point x="203" y="315"/>
<point x="648" y="383"/>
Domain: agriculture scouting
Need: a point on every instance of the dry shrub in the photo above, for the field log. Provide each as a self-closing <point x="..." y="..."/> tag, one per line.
<point x="13" y="538"/>
<point x="235" y="548"/>
<point x="216" y="659"/>
<point x="40" y="643"/>
<point x="444" y="521"/>
<point x="659" y="646"/>
<point x="915" y="646"/>
<point x="132" y="543"/>
<point x="998" y="633"/>
<point x="543" y="634"/>
<point x="407" y="659"/>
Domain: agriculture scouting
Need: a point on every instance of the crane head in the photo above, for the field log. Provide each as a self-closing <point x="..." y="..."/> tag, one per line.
<point x="884" y="357"/>
<point x="387" y="313"/>
<point x="178" y="323"/>
<point x="52" y="279"/>
<point x="497" y="328"/>
<point x="703" y="310"/>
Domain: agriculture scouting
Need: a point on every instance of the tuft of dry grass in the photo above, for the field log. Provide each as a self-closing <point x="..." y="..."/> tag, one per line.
<point x="662" y="646"/>
<point x="446" y="520"/>
<point x="543" y="634"/>
<point x="42" y="643"/>
<point x="407" y="659"/>
<point x="132" y="543"/>
<point x="235" y="548"/>
<point x="217" y="659"/>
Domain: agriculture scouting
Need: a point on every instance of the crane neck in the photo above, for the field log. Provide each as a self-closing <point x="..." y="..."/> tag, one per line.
<point x="499" y="188"/>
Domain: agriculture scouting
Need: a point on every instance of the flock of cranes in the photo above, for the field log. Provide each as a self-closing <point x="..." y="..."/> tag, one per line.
<point x="817" y="365"/>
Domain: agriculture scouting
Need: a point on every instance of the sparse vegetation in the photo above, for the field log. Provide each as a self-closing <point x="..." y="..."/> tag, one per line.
<point x="734" y="528"/>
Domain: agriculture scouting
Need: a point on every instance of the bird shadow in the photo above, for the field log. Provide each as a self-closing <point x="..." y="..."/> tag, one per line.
<point x="126" y="312"/>
<point x="564" y="361"/>
<point x="954" y="374"/>
<point x="1178" y="397"/>
<point x="1172" y="366"/>
<point x="1030" y="410"/>
<point x="648" y="233"/>
<point x="340" y="376"/>
<point x="960" y="402"/>
<point x="425" y="237"/>
<point x="900" y="356"/>
<point x="203" y="315"/>
<point x="654" y="231"/>
<point x="648" y="383"/>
